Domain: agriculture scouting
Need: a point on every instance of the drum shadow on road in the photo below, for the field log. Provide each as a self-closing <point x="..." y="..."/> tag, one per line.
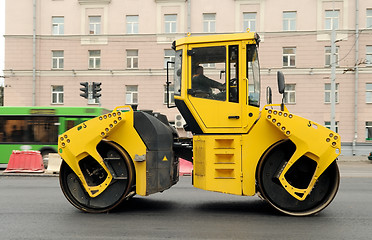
<point x="155" y="205"/>
<point x="144" y="204"/>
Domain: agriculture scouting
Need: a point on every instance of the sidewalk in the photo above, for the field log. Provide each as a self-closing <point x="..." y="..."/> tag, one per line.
<point x="353" y="159"/>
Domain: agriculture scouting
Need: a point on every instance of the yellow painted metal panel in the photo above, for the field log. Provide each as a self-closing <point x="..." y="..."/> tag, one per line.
<point x="217" y="163"/>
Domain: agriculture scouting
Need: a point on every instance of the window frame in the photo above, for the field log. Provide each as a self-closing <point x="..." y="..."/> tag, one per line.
<point x="289" y="22"/>
<point x="130" y="93"/>
<point x="170" y="24"/>
<point x="368" y="92"/>
<point x="329" y="19"/>
<point x="327" y="124"/>
<point x="171" y="94"/>
<point x="368" y="130"/>
<point x="327" y="93"/>
<point x="169" y="55"/>
<point x="57" y="97"/>
<point x="209" y="25"/>
<point x="58" y="61"/>
<point x="132" y="24"/>
<point x="94" y="59"/>
<point x="58" y="28"/>
<point x="368" y="18"/>
<point x="369" y="55"/>
<point x="95" y="27"/>
<point x="290" y="57"/>
<point x="289" y="92"/>
<point x="247" y="21"/>
<point x="327" y="55"/>
<point x="132" y="59"/>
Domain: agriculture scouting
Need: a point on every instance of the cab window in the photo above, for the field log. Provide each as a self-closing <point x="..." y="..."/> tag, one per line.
<point x="208" y="72"/>
<point x="233" y="73"/>
<point x="253" y="75"/>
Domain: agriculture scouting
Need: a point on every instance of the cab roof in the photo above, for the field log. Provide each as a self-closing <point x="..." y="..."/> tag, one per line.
<point x="217" y="38"/>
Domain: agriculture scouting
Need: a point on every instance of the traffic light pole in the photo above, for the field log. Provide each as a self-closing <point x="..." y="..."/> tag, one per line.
<point x="333" y="76"/>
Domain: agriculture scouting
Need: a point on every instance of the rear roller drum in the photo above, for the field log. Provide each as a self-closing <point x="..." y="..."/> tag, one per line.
<point x="299" y="176"/>
<point x="118" y="190"/>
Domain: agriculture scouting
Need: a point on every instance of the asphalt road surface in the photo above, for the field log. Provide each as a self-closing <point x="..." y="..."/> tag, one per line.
<point x="35" y="208"/>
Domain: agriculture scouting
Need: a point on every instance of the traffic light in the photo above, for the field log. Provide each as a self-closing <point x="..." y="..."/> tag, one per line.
<point x="96" y="90"/>
<point x="84" y="89"/>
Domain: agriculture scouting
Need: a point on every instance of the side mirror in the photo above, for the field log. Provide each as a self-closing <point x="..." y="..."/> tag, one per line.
<point x="281" y="82"/>
<point x="269" y="96"/>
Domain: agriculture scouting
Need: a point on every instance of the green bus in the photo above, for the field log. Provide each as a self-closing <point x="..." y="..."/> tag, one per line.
<point x="38" y="128"/>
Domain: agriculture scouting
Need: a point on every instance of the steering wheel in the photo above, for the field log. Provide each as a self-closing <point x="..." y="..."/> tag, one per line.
<point x="233" y="82"/>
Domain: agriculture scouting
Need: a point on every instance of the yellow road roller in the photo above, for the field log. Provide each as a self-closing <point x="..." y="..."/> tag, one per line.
<point x="237" y="147"/>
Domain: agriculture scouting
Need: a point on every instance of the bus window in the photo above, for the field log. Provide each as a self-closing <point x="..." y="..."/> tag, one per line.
<point x="31" y="129"/>
<point x="69" y="124"/>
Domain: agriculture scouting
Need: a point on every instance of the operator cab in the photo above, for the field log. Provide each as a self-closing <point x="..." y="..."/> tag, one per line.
<point x="217" y="82"/>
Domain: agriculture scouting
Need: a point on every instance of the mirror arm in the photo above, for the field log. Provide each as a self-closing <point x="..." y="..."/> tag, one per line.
<point x="282" y="104"/>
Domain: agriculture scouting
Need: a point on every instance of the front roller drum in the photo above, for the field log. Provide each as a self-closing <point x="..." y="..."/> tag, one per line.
<point x="119" y="189"/>
<point x="300" y="174"/>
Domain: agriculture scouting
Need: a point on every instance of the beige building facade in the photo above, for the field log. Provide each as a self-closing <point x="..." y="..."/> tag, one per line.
<point x="53" y="45"/>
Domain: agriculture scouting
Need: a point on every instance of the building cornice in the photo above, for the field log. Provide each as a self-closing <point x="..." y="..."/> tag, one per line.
<point x="94" y="2"/>
<point x="169" y="1"/>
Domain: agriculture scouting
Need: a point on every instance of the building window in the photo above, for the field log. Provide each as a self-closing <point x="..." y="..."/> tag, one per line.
<point x="328" y="56"/>
<point x="209" y="65"/>
<point x="289" y="21"/>
<point x="369" y="131"/>
<point x="94" y="25"/>
<point x="327" y="93"/>
<point x="132" y="24"/>
<point x="57" y="94"/>
<point x="331" y="19"/>
<point x="92" y="100"/>
<point x="170" y="23"/>
<point x="131" y="95"/>
<point x="249" y="21"/>
<point x="169" y="56"/>
<point x="369" y="55"/>
<point x="94" y="59"/>
<point x="209" y="22"/>
<point x="58" y="27"/>
<point x="369" y="18"/>
<point x="132" y="59"/>
<point x="171" y="94"/>
<point x="290" y="94"/>
<point x="289" y="57"/>
<point x="328" y="125"/>
<point x="369" y="93"/>
<point x="57" y="59"/>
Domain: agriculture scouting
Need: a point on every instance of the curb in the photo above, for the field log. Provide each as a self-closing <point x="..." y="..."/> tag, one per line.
<point x="2" y="174"/>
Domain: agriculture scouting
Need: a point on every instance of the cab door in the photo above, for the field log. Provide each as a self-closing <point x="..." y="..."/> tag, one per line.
<point x="214" y="85"/>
